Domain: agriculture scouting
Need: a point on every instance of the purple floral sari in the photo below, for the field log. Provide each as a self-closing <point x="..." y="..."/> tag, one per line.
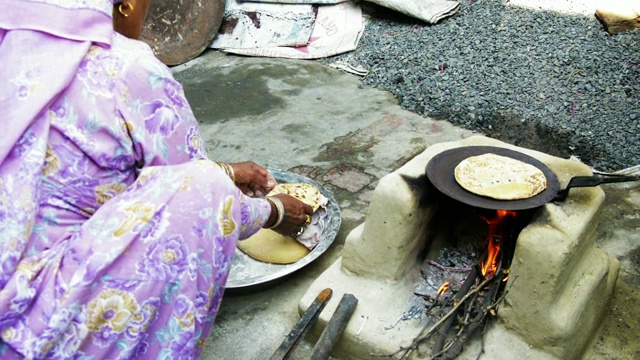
<point x="116" y="232"/>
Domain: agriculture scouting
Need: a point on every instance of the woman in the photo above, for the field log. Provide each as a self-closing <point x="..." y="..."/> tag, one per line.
<point x="116" y="232"/>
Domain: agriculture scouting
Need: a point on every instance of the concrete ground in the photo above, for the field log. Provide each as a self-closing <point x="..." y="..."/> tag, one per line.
<point x="313" y="120"/>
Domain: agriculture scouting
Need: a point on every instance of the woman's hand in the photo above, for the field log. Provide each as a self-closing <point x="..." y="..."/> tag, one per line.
<point x="253" y="179"/>
<point x="296" y="215"/>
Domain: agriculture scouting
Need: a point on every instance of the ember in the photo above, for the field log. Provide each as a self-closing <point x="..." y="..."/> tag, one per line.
<point x="443" y="288"/>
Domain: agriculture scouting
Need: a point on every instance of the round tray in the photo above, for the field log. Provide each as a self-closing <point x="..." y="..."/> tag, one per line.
<point x="249" y="275"/>
<point x="179" y="31"/>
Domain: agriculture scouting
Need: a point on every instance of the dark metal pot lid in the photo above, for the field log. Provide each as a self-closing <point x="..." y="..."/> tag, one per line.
<point x="179" y="31"/>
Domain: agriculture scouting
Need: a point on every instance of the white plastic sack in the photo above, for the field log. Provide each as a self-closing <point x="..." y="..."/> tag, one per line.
<point x="317" y="2"/>
<point x="430" y="11"/>
<point x="338" y="29"/>
<point x="256" y="25"/>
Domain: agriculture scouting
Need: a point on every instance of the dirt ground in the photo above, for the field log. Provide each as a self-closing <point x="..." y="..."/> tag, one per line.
<point x="619" y="336"/>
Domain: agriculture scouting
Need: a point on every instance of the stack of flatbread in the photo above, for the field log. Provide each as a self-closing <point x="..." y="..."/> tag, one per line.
<point x="499" y="177"/>
<point x="271" y="247"/>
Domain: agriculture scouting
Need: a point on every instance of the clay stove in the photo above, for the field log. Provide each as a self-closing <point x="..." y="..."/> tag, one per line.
<point x="551" y="311"/>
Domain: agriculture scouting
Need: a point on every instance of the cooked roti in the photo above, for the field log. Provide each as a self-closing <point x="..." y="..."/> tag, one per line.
<point x="500" y="177"/>
<point x="269" y="246"/>
<point x="306" y="193"/>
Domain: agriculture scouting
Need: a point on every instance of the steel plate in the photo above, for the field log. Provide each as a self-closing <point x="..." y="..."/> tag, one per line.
<point x="178" y="31"/>
<point x="249" y="275"/>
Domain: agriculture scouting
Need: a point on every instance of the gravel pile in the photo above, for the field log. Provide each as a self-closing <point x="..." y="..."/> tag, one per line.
<point x="551" y="80"/>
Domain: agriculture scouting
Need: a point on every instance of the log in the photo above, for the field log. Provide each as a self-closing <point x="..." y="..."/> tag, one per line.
<point x="303" y="326"/>
<point x="619" y="15"/>
<point x="336" y="325"/>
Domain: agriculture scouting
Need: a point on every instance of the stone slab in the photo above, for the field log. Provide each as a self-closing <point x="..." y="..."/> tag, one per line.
<point x="619" y="15"/>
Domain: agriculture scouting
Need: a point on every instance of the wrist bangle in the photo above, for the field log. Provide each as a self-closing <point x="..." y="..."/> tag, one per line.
<point x="224" y="168"/>
<point x="232" y="173"/>
<point x="279" y="208"/>
<point x="228" y="170"/>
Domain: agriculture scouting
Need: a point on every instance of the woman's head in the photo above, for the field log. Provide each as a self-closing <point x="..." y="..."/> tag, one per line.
<point x="128" y="17"/>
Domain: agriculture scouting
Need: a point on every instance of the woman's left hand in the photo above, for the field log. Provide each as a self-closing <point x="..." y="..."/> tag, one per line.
<point x="253" y="179"/>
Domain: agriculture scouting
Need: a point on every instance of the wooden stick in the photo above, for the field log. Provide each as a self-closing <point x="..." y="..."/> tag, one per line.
<point x="336" y="325"/>
<point x="420" y="337"/>
<point x="468" y="283"/>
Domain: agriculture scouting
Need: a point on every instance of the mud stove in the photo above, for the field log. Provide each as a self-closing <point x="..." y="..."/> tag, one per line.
<point x="559" y="285"/>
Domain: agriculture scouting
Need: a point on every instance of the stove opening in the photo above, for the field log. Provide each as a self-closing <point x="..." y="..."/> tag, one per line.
<point x="464" y="273"/>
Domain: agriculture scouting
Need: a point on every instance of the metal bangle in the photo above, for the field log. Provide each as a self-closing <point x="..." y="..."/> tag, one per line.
<point x="232" y="173"/>
<point x="279" y="208"/>
<point x="227" y="170"/>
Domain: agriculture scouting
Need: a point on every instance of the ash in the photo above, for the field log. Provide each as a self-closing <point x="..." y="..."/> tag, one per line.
<point x="452" y="266"/>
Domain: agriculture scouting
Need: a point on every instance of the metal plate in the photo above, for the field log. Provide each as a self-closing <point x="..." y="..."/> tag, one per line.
<point x="178" y="31"/>
<point x="440" y="171"/>
<point x="248" y="275"/>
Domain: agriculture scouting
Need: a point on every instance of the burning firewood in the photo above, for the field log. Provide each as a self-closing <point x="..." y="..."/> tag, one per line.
<point x="462" y="291"/>
<point x="477" y="306"/>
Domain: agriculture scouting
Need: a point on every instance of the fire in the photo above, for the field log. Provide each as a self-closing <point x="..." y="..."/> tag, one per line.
<point x="494" y="236"/>
<point x="443" y="288"/>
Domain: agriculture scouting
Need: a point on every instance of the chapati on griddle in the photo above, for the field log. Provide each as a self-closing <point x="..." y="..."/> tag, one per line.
<point x="499" y="177"/>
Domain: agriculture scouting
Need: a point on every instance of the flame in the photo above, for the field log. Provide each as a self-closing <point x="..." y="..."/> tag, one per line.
<point x="443" y="288"/>
<point x="491" y="264"/>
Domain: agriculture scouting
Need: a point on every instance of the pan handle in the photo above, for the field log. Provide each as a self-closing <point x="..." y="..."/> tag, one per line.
<point x="588" y="181"/>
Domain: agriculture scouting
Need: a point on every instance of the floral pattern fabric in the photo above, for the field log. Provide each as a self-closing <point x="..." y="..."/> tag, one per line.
<point x="122" y="248"/>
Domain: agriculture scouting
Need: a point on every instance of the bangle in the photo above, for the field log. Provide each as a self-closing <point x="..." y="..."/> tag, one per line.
<point x="279" y="208"/>
<point x="232" y="174"/>
<point x="228" y="170"/>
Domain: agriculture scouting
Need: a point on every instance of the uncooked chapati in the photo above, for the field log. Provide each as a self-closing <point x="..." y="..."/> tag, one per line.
<point x="271" y="247"/>
<point x="500" y="177"/>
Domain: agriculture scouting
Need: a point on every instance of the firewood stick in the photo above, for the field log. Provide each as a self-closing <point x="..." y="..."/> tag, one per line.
<point x="489" y="306"/>
<point x="424" y="335"/>
<point x="336" y="325"/>
<point x="468" y="283"/>
<point x="481" y="317"/>
<point x="448" y="346"/>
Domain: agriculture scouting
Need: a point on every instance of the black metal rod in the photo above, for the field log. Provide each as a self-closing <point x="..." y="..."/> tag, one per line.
<point x="335" y="327"/>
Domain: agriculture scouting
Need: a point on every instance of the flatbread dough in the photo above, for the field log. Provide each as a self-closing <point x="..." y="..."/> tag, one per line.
<point x="269" y="246"/>
<point x="500" y="177"/>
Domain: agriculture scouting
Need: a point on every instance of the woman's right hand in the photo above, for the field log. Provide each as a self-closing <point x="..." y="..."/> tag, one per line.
<point x="252" y="179"/>
<point x="296" y="215"/>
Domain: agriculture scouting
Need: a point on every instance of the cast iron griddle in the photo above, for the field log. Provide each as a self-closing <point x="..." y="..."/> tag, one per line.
<point x="440" y="171"/>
